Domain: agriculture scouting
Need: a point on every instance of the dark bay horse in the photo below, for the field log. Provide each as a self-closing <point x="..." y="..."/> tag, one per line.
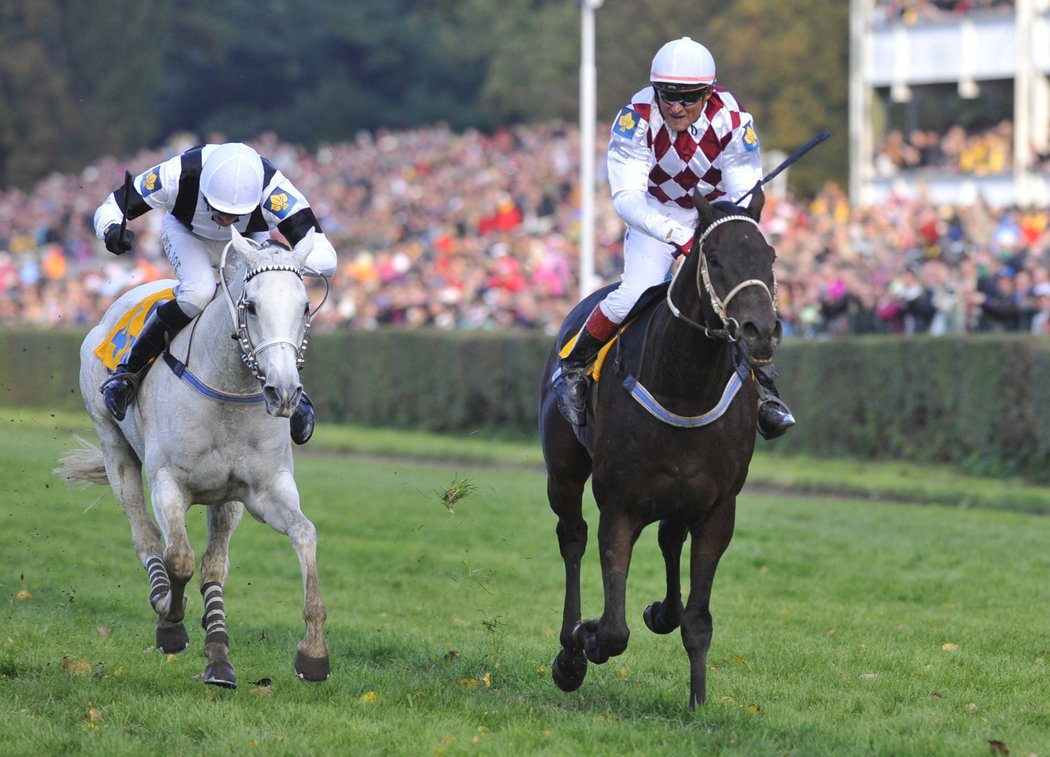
<point x="670" y="438"/>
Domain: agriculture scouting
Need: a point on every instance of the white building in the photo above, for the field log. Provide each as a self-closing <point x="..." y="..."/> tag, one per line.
<point x="998" y="59"/>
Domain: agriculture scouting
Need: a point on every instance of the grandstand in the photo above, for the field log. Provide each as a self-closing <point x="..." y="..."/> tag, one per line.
<point x="924" y="72"/>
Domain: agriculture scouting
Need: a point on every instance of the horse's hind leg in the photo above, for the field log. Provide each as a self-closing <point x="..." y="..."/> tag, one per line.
<point x="125" y="478"/>
<point x="709" y="543"/>
<point x="665" y="616"/>
<point x="215" y="567"/>
<point x="570" y="666"/>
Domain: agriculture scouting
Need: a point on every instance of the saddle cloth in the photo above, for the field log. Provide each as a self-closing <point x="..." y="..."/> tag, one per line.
<point x="115" y="347"/>
<point x="647" y="298"/>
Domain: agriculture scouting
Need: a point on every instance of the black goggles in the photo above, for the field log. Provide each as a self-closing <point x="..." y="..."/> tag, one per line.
<point x="686" y="98"/>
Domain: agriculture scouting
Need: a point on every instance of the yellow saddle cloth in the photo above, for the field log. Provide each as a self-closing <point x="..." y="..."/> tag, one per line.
<point x="114" y="348"/>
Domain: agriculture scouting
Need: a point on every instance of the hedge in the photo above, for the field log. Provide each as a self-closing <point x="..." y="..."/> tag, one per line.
<point x="978" y="402"/>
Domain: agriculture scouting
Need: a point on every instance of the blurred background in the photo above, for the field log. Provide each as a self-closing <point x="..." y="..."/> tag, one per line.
<point x="440" y="145"/>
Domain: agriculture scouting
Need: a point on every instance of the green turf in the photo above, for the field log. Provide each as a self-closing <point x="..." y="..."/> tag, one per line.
<point x="842" y="625"/>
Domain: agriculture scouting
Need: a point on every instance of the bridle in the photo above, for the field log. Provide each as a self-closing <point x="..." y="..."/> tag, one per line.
<point x="719" y="304"/>
<point x="239" y="313"/>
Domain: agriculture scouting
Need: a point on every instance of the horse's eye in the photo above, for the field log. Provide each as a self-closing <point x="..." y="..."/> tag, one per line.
<point x="250" y="307"/>
<point x="306" y="309"/>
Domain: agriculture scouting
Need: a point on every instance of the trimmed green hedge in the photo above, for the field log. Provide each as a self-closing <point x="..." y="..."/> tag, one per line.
<point x="979" y="402"/>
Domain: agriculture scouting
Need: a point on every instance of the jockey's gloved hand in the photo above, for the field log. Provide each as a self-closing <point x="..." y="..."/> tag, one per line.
<point x="115" y="244"/>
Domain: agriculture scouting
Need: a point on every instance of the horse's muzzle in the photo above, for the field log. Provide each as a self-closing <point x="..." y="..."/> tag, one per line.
<point x="281" y="401"/>
<point x="759" y="344"/>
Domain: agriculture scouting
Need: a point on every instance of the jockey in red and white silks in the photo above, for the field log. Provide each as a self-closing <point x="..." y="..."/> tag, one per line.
<point x="653" y="172"/>
<point x="678" y="136"/>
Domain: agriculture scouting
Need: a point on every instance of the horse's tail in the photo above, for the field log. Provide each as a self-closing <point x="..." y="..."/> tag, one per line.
<point x="82" y="466"/>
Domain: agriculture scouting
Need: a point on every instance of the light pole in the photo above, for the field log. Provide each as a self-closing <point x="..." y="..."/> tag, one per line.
<point x="587" y="121"/>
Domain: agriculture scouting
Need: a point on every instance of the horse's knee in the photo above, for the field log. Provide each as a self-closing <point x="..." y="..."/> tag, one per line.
<point x="301" y="532"/>
<point x="179" y="562"/>
<point x="572" y="539"/>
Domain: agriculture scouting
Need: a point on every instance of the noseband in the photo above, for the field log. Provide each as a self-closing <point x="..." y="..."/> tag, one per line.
<point x="718" y="304"/>
<point x="239" y="313"/>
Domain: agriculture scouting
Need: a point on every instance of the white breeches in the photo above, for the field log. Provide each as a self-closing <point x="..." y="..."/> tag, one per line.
<point x="195" y="261"/>
<point x="646" y="262"/>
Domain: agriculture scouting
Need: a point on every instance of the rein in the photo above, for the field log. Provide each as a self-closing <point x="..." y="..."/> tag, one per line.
<point x="703" y="279"/>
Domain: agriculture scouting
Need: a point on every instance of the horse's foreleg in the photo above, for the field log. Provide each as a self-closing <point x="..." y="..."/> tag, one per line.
<point x="311" y="657"/>
<point x="279" y="507"/>
<point x="215" y="567"/>
<point x="609" y="635"/>
<point x="170" y="509"/>
<point x="709" y="543"/>
<point x="665" y="616"/>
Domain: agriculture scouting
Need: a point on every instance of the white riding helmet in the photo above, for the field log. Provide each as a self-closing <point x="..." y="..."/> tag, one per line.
<point x="682" y="64"/>
<point x="232" y="179"/>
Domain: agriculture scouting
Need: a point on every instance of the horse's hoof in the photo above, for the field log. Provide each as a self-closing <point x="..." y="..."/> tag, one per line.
<point x="585" y="637"/>
<point x="172" y="637"/>
<point x="220" y="674"/>
<point x="569" y="669"/>
<point x="312" y="668"/>
<point x="654" y="619"/>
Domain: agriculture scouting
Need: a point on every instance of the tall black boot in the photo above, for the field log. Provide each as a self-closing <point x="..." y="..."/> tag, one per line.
<point x="774" y="417"/>
<point x="119" y="389"/>
<point x="302" y="421"/>
<point x="572" y="382"/>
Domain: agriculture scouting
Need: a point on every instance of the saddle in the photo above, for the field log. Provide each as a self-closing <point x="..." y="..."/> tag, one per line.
<point x="649" y="296"/>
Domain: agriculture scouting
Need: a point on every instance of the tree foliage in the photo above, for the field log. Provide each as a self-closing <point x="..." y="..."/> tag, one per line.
<point x="79" y="78"/>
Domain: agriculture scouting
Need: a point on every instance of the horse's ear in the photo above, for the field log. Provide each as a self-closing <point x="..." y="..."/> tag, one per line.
<point x="707" y="213"/>
<point x="758" y="199"/>
<point x="245" y="247"/>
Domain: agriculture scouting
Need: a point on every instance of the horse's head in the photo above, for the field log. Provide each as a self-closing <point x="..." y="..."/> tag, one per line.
<point x="735" y="272"/>
<point x="271" y="315"/>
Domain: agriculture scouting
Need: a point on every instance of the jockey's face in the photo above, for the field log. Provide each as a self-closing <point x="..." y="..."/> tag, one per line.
<point x="224" y="219"/>
<point x="677" y="113"/>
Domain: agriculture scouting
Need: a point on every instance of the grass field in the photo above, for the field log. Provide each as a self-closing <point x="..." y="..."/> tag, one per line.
<point x="843" y="625"/>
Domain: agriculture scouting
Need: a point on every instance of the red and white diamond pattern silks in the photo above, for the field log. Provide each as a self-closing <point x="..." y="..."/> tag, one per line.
<point x="688" y="160"/>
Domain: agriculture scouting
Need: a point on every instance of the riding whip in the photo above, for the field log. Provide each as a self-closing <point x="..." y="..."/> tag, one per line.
<point x="816" y="140"/>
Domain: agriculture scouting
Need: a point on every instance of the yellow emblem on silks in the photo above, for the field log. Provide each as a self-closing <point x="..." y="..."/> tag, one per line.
<point x="278" y="202"/>
<point x="627" y="121"/>
<point x="750" y="138"/>
<point x="150" y="182"/>
<point x="115" y="347"/>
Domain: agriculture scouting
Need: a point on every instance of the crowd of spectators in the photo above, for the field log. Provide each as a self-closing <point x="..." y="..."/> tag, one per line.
<point x="980" y="152"/>
<point x="916" y="11"/>
<point x="474" y="231"/>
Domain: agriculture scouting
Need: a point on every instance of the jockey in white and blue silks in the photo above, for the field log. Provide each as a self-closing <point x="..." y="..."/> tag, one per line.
<point x="678" y="136"/>
<point x="205" y="191"/>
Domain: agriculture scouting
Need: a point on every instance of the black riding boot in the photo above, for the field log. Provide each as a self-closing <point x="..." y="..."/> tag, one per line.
<point x="119" y="389"/>
<point x="572" y="382"/>
<point x="774" y="417"/>
<point x="302" y="425"/>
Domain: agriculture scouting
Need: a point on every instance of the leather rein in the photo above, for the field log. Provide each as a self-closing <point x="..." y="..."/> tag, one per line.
<point x="703" y="283"/>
